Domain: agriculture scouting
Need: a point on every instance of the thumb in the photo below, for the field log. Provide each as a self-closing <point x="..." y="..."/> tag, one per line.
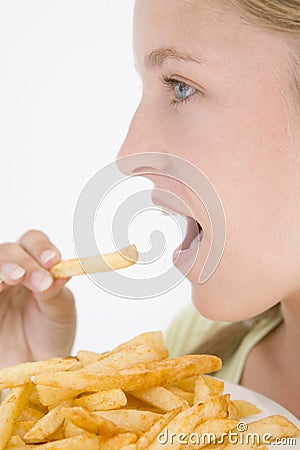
<point x="57" y="302"/>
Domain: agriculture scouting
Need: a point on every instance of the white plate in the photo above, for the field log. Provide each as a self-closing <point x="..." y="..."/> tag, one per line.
<point x="268" y="408"/>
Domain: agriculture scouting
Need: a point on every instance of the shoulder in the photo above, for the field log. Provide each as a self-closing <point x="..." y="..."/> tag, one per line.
<point x="263" y="324"/>
<point x="190" y="329"/>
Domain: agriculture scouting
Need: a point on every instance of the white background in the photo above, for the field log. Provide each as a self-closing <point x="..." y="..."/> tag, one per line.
<point x="68" y="89"/>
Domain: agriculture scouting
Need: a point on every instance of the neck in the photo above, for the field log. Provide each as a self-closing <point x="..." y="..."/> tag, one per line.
<point x="290" y="338"/>
<point x="286" y="363"/>
<point x="276" y="359"/>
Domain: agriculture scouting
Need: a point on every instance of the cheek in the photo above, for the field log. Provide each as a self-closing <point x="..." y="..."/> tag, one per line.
<point x="251" y="166"/>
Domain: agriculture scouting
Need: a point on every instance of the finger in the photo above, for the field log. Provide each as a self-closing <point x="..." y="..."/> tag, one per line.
<point x="61" y="312"/>
<point x="2" y="286"/>
<point x="19" y="267"/>
<point x="48" y="297"/>
<point x="11" y="272"/>
<point x="37" y="244"/>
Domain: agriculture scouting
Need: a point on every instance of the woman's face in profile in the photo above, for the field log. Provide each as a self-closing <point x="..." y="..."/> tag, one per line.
<point x="217" y="92"/>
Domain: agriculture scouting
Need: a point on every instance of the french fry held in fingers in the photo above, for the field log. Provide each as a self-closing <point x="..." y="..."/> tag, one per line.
<point x="129" y="398"/>
<point x="94" y="264"/>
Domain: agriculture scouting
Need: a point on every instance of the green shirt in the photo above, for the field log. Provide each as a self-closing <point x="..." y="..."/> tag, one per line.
<point x="189" y="328"/>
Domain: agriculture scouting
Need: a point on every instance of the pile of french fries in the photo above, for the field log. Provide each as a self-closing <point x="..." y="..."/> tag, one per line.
<point x="122" y="399"/>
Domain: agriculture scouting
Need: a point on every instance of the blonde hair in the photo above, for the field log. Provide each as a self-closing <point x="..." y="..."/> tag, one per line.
<point x="279" y="15"/>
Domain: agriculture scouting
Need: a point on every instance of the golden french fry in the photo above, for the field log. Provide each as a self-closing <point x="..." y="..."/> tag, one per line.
<point x="34" y="402"/>
<point x="201" y="390"/>
<point x="130" y="419"/>
<point x="216" y="386"/>
<point x="211" y="431"/>
<point x="21" y="374"/>
<point x="51" y="395"/>
<point x="205" y="387"/>
<point x="46" y="426"/>
<point x="215" y="407"/>
<point x="187" y="384"/>
<point x="15" y="443"/>
<point x="70" y="430"/>
<point x="187" y="420"/>
<point x="261" y="432"/>
<point x="29" y="413"/>
<point x="84" y="441"/>
<point x="22" y="427"/>
<point x="153" y="339"/>
<point x="233" y="411"/>
<point x="118" y="442"/>
<point x="103" y="400"/>
<point x="87" y="357"/>
<point x="125" y="358"/>
<point x="160" y="398"/>
<point x="246" y="408"/>
<point x="149" y="435"/>
<point x="56" y="436"/>
<point x="276" y="425"/>
<point x="184" y="422"/>
<point x="92" y="422"/>
<point x="141" y="376"/>
<point x="185" y="395"/>
<point x="10" y="409"/>
<point x="118" y="400"/>
<point x="135" y="403"/>
<point x="100" y="263"/>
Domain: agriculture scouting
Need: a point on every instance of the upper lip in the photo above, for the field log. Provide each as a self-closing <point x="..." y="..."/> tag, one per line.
<point x="160" y="202"/>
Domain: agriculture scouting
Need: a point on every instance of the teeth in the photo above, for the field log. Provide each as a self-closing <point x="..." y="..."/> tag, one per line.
<point x="196" y="240"/>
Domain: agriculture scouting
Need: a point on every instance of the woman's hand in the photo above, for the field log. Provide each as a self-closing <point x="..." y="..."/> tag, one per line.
<point x="37" y="313"/>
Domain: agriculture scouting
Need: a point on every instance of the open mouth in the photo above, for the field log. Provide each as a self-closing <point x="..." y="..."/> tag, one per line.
<point x="193" y="236"/>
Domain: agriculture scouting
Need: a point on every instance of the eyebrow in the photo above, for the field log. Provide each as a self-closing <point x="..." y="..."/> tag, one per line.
<point x="159" y="55"/>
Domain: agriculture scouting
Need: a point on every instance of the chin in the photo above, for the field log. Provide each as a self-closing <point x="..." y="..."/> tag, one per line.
<point x="216" y="304"/>
<point x="236" y="291"/>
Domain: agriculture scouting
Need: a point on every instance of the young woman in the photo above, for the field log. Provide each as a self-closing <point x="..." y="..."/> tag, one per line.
<point x="221" y="90"/>
<point x="221" y="85"/>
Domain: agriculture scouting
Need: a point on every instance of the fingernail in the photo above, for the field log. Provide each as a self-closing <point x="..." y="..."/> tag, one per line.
<point x="13" y="271"/>
<point x="47" y="255"/>
<point x="41" y="281"/>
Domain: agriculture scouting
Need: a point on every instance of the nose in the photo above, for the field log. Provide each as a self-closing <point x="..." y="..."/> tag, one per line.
<point x="143" y="150"/>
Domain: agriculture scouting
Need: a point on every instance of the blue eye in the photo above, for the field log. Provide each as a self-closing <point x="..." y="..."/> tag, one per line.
<point x="182" y="91"/>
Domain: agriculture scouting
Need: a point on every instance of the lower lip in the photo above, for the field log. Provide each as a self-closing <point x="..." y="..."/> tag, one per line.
<point x="184" y="260"/>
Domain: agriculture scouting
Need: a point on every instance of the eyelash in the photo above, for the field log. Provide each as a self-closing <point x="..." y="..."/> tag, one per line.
<point x="171" y="83"/>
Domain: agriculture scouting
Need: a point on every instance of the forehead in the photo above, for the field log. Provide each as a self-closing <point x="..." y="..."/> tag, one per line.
<point x="210" y="31"/>
<point x="186" y="24"/>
